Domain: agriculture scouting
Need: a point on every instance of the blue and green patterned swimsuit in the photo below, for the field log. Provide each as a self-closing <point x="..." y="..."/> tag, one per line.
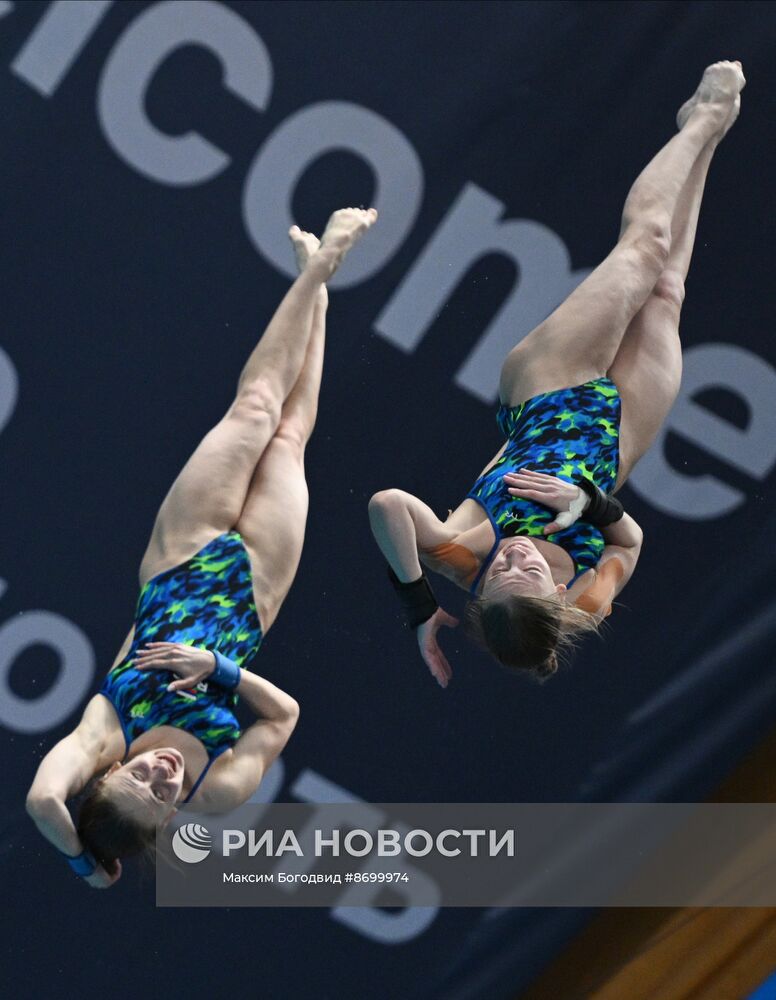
<point x="566" y="433"/>
<point x="206" y="602"/>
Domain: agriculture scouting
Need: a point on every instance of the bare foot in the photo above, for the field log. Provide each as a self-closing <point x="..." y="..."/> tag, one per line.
<point x="343" y="230"/>
<point x="305" y="245"/>
<point x="720" y="87"/>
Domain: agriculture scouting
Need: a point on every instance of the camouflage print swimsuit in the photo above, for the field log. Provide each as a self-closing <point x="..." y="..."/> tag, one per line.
<point x="206" y="602"/>
<point x="566" y="433"/>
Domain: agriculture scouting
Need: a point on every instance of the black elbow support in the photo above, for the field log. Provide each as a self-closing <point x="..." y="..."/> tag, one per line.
<point x="417" y="599"/>
<point x="602" y="509"/>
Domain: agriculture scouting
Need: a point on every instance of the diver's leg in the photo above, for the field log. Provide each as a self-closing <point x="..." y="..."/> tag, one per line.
<point x="277" y="360"/>
<point x="209" y="494"/>
<point x="580" y="339"/>
<point x="648" y="365"/>
<point x="272" y="521"/>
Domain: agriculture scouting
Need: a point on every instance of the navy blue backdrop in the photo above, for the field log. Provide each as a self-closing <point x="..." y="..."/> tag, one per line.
<point x="137" y="272"/>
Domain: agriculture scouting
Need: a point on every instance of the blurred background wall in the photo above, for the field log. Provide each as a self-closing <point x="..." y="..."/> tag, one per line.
<point x="153" y="157"/>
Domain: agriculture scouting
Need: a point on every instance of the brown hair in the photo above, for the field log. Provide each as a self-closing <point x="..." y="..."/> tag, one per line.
<point x="110" y="834"/>
<point x="529" y="634"/>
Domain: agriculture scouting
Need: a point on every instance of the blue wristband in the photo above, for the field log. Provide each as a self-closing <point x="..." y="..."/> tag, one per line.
<point x="226" y="673"/>
<point x="83" y="864"/>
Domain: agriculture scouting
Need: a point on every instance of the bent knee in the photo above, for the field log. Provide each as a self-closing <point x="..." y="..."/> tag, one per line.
<point x="293" y="434"/>
<point x="650" y="237"/>
<point x="384" y="497"/>
<point x="670" y="287"/>
<point x="257" y="401"/>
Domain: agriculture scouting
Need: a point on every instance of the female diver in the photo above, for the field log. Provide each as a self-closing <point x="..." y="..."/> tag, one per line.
<point x="539" y="543"/>
<point x="222" y="555"/>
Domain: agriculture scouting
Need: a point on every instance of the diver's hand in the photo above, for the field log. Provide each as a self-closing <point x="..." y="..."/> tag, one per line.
<point x="190" y="664"/>
<point x="435" y="659"/>
<point x="566" y="498"/>
<point x="100" y="879"/>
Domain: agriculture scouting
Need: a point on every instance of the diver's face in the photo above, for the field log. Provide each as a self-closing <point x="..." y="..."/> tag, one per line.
<point x="519" y="568"/>
<point x="148" y="786"/>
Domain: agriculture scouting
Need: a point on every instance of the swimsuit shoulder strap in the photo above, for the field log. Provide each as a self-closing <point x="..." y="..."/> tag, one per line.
<point x="494" y="546"/>
<point x="201" y="778"/>
<point x="116" y="708"/>
<point x="486" y="562"/>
